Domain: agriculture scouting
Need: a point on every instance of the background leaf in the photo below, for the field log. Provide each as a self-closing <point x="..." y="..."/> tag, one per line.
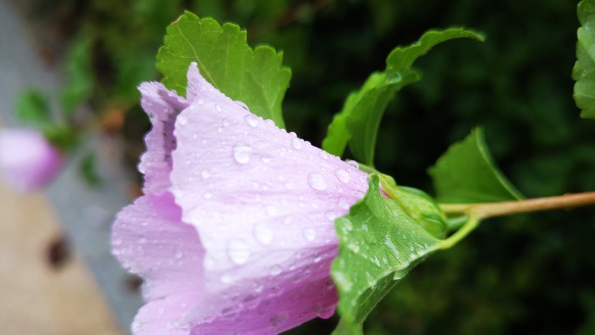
<point x="584" y="68"/>
<point x="358" y="121"/>
<point x="467" y="173"/>
<point x="33" y="108"/>
<point x="378" y="245"/>
<point x="253" y="76"/>
<point x="80" y="81"/>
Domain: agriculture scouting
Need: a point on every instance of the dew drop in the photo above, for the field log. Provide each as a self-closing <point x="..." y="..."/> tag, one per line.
<point x="238" y="251"/>
<point x="218" y="107"/>
<point x="353" y="164"/>
<point x="343" y="204"/>
<point x="331" y="216"/>
<point x="309" y="234"/>
<point x="179" y="254"/>
<point x="182" y="120"/>
<point x="271" y="210"/>
<point x="243" y="105"/>
<point x="242" y="153"/>
<point x="225" y="122"/>
<point x="251" y="120"/>
<point x="265" y="159"/>
<point x="205" y="174"/>
<point x="296" y="143"/>
<point x="208" y="195"/>
<point x="289" y="186"/>
<point x="343" y="176"/>
<point x="276" y="270"/>
<point x="317" y="181"/>
<point x="323" y="155"/>
<point x="263" y="233"/>
<point x="226" y="279"/>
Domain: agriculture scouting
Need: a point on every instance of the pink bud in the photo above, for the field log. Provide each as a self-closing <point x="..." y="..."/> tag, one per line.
<point x="27" y="160"/>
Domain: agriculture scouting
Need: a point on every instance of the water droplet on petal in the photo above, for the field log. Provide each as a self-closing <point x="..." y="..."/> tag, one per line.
<point x="343" y="176"/>
<point x="263" y="233"/>
<point x="271" y="210"/>
<point x="243" y="105"/>
<point x="242" y="153"/>
<point x="343" y="204"/>
<point x="205" y="174"/>
<point x="265" y="159"/>
<point x="226" y="279"/>
<point x="251" y="120"/>
<point x="276" y="270"/>
<point x="288" y="186"/>
<point x="225" y="122"/>
<point x="309" y="234"/>
<point x="353" y="164"/>
<point x="323" y="155"/>
<point x="208" y="195"/>
<point x="179" y="254"/>
<point x="317" y="181"/>
<point x="331" y="216"/>
<point x="182" y="120"/>
<point x="238" y="251"/>
<point x="218" y="107"/>
<point x="296" y="143"/>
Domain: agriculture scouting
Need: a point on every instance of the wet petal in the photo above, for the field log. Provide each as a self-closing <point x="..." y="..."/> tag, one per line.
<point x="263" y="202"/>
<point x="150" y="240"/>
<point x="162" y="106"/>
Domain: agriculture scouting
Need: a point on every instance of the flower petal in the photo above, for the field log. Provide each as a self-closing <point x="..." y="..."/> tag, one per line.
<point x="162" y="106"/>
<point x="149" y="239"/>
<point x="263" y="202"/>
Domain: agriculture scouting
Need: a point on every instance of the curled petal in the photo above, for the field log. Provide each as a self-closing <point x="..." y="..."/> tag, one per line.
<point x="263" y="202"/>
<point x="162" y="106"/>
<point x="27" y="160"/>
<point x="150" y="240"/>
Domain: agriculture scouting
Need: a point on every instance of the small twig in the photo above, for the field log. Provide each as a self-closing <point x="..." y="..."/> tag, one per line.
<point x="488" y="210"/>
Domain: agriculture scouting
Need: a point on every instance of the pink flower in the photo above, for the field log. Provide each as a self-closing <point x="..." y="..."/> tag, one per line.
<point x="235" y="233"/>
<point x="27" y="160"/>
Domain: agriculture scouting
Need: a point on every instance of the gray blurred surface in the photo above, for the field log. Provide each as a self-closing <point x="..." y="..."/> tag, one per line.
<point x="85" y="212"/>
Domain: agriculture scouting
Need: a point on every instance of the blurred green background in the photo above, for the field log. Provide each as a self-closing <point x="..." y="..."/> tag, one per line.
<point x="529" y="274"/>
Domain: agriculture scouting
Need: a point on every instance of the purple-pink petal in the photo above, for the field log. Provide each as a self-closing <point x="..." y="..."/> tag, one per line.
<point x="235" y="234"/>
<point x="27" y="160"/>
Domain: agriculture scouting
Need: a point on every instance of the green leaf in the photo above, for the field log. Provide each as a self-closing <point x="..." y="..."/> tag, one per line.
<point x="584" y="68"/>
<point x="256" y="77"/>
<point x="418" y="205"/>
<point x="33" y="108"/>
<point x="80" y="79"/>
<point x="358" y="121"/>
<point x="466" y="173"/>
<point x="378" y="245"/>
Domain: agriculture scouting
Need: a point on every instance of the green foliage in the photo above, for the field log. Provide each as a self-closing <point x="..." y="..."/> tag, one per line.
<point x="378" y="244"/>
<point x="253" y="76"/>
<point x="418" y="205"/>
<point x="359" y="120"/>
<point x="88" y="170"/>
<point x="80" y="80"/>
<point x="33" y="109"/>
<point x="584" y="68"/>
<point x="466" y="173"/>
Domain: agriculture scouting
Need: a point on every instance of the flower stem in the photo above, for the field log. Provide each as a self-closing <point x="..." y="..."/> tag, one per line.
<point x="487" y="210"/>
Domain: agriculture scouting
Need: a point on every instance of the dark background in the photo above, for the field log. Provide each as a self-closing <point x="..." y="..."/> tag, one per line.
<point x="529" y="274"/>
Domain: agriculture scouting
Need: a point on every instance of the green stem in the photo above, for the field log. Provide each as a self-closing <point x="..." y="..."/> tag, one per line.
<point x="487" y="210"/>
<point x="453" y="239"/>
